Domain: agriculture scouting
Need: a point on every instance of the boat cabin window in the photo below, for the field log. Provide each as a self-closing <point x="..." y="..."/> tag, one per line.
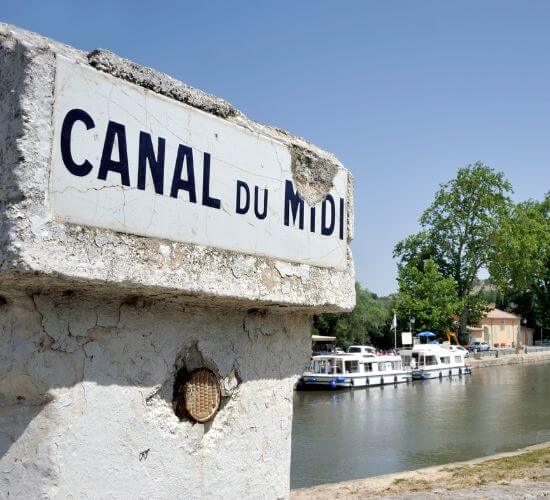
<point x="352" y="366"/>
<point x="396" y="365"/>
<point x="368" y="367"/>
<point x="319" y="366"/>
<point x="446" y="360"/>
<point x="326" y="366"/>
<point x="430" y="361"/>
<point x="458" y="359"/>
<point x="384" y="366"/>
<point x="354" y="349"/>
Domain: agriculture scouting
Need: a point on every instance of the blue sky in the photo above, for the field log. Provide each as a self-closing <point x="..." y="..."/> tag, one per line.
<point x="403" y="92"/>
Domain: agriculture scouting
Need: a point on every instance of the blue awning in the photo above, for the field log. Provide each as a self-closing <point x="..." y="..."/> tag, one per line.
<point x="426" y="334"/>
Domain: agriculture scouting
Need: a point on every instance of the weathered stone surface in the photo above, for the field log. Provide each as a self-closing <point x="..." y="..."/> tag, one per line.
<point x="160" y="83"/>
<point x="86" y="398"/>
<point x="37" y="249"/>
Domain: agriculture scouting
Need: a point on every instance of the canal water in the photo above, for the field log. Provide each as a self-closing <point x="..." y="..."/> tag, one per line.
<point x="351" y="434"/>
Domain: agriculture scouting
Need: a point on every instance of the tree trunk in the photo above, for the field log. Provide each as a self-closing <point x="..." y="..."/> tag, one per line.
<point x="463" y="323"/>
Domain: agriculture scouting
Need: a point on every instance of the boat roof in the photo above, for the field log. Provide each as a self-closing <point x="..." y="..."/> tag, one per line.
<point x="359" y="357"/>
<point x="385" y="357"/>
<point x="340" y="355"/>
<point x="435" y="348"/>
<point x="323" y="338"/>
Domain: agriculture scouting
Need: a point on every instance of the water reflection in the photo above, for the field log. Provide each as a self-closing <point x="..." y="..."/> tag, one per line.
<point x="365" y="432"/>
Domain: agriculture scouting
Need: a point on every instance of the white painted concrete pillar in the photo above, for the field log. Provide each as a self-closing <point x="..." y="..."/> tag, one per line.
<point x="132" y="253"/>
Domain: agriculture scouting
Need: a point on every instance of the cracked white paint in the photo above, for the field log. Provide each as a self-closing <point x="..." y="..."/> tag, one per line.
<point x="286" y="270"/>
<point x="237" y="154"/>
<point x="86" y="388"/>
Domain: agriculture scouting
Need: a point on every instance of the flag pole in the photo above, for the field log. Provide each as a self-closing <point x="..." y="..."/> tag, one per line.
<point x="394" y="330"/>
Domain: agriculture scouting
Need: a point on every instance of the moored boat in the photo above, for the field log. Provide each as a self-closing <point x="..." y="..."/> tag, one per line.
<point x="435" y="361"/>
<point x="354" y="370"/>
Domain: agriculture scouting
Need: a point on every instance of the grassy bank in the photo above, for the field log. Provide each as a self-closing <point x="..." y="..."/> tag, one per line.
<point x="523" y="467"/>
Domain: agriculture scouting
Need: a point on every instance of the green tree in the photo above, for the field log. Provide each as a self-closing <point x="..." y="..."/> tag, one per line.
<point x="457" y="232"/>
<point x="426" y="294"/>
<point x="520" y="260"/>
<point x="364" y="325"/>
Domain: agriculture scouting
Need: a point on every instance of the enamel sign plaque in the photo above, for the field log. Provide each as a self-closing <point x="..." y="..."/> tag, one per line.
<point x="129" y="160"/>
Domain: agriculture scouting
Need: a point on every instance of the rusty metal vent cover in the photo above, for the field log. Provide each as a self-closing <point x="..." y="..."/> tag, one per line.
<point x="202" y="395"/>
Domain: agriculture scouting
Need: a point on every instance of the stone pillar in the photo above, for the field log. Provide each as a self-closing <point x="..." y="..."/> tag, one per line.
<point x="136" y="245"/>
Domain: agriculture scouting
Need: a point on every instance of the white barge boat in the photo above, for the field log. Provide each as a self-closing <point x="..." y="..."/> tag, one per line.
<point x="435" y="361"/>
<point x="354" y="370"/>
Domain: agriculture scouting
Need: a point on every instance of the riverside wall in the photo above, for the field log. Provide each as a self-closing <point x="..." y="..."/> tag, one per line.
<point x="510" y="359"/>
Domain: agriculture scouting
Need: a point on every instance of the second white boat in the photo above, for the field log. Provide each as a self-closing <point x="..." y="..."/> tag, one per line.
<point x="435" y="361"/>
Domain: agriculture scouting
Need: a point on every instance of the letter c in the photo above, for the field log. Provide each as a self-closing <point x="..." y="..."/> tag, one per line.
<point x="73" y="116"/>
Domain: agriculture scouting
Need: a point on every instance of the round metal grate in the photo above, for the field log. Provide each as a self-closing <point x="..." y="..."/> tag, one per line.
<point x="202" y="395"/>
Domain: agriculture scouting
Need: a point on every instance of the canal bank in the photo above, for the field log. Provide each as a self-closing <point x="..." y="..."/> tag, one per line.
<point x="525" y="471"/>
<point x="510" y="359"/>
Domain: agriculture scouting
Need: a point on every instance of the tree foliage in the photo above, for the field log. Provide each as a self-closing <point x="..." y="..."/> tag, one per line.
<point x="521" y="247"/>
<point x="428" y="296"/>
<point x="520" y="260"/>
<point x="366" y="324"/>
<point x="457" y="231"/>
